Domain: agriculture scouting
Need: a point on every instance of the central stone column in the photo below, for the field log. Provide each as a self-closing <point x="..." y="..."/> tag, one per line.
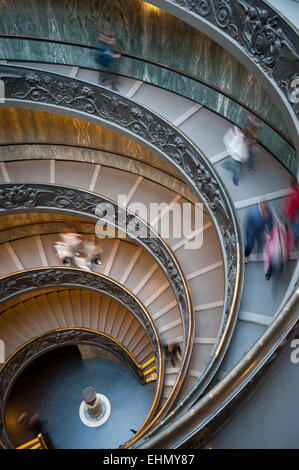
<point x="89" y="396"/>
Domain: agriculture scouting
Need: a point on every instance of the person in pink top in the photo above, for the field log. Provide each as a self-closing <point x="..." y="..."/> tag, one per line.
<point x="279" y="244"/>
<point x="291" y="208"/>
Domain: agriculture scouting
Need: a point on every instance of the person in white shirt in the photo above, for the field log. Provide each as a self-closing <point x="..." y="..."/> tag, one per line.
<point x="237" y="146"/>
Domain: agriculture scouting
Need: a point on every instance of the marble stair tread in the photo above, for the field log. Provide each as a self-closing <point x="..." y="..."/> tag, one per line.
<point x="156" y="288"/>
<point x="74" y="174"/>
<point x="148" y="194"/>
<point x="112" y="182"/>
<point x="203" y="351"/>
<point x="166" y="320"/>
<point x="199" y="126"/>
<point x="27" y="252"/>
<point x="124" y="256"/>
<point x="166" y="103"/>
<point x="46" y="308"/>
<point x="21" y="323"/>
<point x="209" y="287"/>
<point x="261" y="296"/>
<point x="39" y="315"/>
<point x="91" y="76"/>
<point x="29" y="171"/>
<point x="196" y="367"/>
<point x="85" y="301"/>
<point x="2" y="176"/>
<point x="189" y="383"/>
<point x="207" y="322"/>
<point x="7" y="264"/>
<point x="36" y="324"/>
<point x="10" y="336"/>
<point x="195" y="260"/>
<point x="245" y="335"/>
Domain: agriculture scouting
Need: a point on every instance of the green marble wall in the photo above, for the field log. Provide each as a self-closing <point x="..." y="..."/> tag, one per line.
<point x="148" y="32"/>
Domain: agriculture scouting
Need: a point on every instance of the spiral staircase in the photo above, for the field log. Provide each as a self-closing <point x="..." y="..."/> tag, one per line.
<point x="146" y="293"/>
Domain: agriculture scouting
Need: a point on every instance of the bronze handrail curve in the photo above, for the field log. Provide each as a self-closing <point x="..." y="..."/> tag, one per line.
<point x="164" y="66"/>
<point x="54" y="339"/>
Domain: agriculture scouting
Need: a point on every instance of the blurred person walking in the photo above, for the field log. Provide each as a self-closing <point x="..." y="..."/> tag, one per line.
<point x="105" y="56"/>
<point x="92" y="252"/>
<point x="278" y="246"/>
<point x="72" y="240"/>
<point x="64" y="252"/>
<point x="259" y="220"/>
<point x="173" y="353"/>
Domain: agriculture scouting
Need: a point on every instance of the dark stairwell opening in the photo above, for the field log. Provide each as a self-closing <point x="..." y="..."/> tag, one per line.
<point x="52" y="387"/>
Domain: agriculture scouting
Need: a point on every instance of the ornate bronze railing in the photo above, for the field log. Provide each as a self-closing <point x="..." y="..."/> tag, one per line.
<point x="199" y="422"/>
<point x="32" y="349"/>
<point x="49" y="91"/>
<point x="148" y="61"/>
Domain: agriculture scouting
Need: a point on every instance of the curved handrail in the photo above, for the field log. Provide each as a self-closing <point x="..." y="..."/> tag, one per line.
<point x="72" y="96"/>
<point x="47" y="341"/>
<point x="199" y="418"/>
<point x="165" y="67"/>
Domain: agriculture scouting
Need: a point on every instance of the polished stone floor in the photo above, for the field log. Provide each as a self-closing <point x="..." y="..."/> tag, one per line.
<point x="52" y="386"/>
